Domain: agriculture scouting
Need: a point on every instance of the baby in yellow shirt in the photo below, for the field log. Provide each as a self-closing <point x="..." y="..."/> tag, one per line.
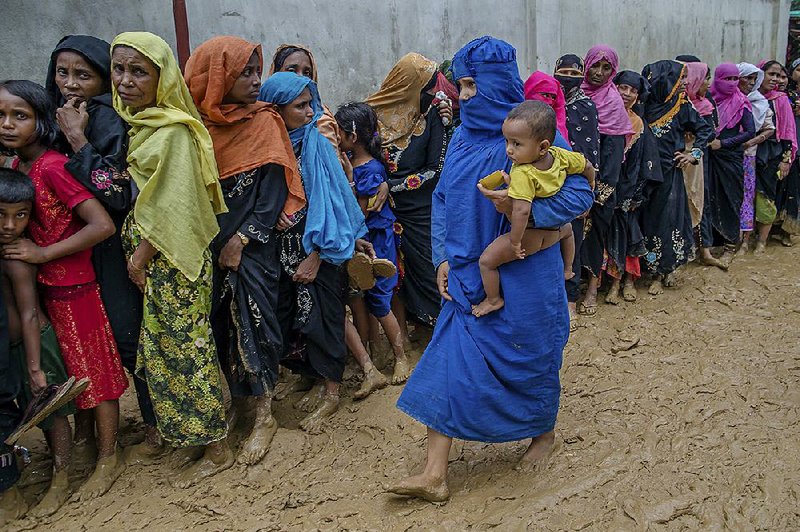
<point x="539" y="171"/>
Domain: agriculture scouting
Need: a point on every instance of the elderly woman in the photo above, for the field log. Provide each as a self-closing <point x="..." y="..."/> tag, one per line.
<point x="259" y="178"/>
<point x="171" y="160"/>
<point x="415" y="141"/>
<point x="492" y="379"/>
<point x="78" y="79"/>
<point x="313" y="249"/>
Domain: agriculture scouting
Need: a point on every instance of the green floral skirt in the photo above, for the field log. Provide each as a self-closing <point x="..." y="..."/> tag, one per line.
<point x="176" y="354"/>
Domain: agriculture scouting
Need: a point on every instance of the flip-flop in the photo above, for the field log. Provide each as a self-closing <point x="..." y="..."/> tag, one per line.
<point x="383" y="268"/>
<point x="359" y="269"/>
<point x="45" y="403"/>
<point x="587" y="310"/>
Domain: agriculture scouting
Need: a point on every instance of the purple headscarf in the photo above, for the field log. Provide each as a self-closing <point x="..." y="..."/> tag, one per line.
<point x="610" y="107"/>
<point x="730" y="101"/>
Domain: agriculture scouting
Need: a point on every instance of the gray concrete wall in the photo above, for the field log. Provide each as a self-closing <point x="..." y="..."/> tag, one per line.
<point x="356" y="42"/>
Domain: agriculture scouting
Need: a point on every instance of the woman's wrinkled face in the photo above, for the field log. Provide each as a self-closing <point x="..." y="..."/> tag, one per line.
<point x="771" y="78"/>
<point x="748" y="83"/>
<point x="599" y="73"/>
<point x="298" y="62"/>
<point x="135" y="77"/>
<point x="629" y="94"/>
<point x="76" y="78"/>
<point x="466" y="88"/>
<point x="245" y="88"/>
<point x="297" y="113"/>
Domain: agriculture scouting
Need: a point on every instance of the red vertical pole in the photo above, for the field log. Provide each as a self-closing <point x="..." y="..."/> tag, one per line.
<point x="181" y="30"/>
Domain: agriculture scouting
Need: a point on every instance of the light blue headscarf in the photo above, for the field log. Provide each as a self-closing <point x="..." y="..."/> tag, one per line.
<point x="334" y="219"/>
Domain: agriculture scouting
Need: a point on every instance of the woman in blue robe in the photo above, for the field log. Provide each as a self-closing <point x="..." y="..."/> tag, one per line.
<point x="495" y="378"/>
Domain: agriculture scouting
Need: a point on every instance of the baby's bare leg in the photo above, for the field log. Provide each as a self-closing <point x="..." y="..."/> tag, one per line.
<point x="567" y="249"/>
<point x="495" y="255"/>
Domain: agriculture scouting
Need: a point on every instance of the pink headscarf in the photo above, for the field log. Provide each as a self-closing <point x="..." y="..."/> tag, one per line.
<point x="610" y="108"/>
<point x="695" y="76"/>
<point x="731" y="103"/>
<point x="785" y="128"/>
<point x="539" y="83"/>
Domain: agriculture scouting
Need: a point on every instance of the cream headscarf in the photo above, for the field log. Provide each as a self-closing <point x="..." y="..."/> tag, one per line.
<point x="171" y="159"/>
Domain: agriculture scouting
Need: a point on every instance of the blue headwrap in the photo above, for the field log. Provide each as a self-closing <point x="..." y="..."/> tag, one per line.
<point x="334" y="220"/>
<point x="493" y="64"/>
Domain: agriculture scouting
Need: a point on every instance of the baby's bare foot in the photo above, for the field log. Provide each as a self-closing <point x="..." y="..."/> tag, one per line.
<point x="487" y="306"/>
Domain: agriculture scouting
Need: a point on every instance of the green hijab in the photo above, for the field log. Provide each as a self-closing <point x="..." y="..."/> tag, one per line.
<point x="171" y="159"/>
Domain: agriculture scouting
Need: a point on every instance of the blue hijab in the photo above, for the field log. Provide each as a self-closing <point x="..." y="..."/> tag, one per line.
<point x="334" y="220"/>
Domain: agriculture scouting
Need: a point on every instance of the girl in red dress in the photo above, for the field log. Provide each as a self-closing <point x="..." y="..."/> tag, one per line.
<point x="67" y="222"/>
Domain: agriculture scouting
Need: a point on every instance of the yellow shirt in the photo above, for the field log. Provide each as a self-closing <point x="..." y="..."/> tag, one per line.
<point x="528" y="182"/>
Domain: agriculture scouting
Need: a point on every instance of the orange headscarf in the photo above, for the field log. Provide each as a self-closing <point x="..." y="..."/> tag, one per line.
<point x="245" y="136"/>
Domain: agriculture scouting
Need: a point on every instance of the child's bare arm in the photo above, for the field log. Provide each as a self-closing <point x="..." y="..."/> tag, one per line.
<point x="22" y="277"/>
<point x="520" y="212"/>
<point x="589" y="173"/>
<point x="363" y="202"/>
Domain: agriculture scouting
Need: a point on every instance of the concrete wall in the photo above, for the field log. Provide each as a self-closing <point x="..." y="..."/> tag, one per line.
<point x="356" y="42"/>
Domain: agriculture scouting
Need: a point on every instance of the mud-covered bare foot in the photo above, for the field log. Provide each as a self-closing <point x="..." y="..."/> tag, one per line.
<point x="300" y="384"/>
<point x="487" y="306"/>
<point x="83" y="455"/>
<point x="216" y="458"/>
<point x="12" y="506"/>
<point x="423" y="487"/>
<point x="310" y="400"/>
<point x="538" y="454"/>
<point x="743" y="249"/>
<point x="257" y="444"/>
<point x="106" y="472"/>
<point x="612" y="297"/>
<point x="146" y="452"/>
<point x="629" y="293"/>
<point x="670" y="280"/>
<point x="656" y="288"/>
<point x="710" y="260"/>
<point x="314" y="421"/>
<point x="55" y="497"/>
<point x="186" y="455"/>
<point x="402" y="369"/>
<point x="727" y="258"/>
<point x="761" y="248"/>
<point x="373" y="380"/>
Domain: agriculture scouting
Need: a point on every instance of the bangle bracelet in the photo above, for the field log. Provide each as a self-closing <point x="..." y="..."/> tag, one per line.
<point x="134" y="267"/>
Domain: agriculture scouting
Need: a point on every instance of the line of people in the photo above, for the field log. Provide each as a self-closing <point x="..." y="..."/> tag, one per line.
<point x="210" y="225"/>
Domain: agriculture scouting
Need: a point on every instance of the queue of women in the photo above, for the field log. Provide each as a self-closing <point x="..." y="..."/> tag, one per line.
<point x="239" y="205"/>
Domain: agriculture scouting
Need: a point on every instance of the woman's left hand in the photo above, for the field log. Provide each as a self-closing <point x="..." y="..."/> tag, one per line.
<point x="446" y="111"/>
<point x="231" y="255"/>
<point x="380" y="197"/>
<point x="683" y="160"/>
<point x="366" y="247"/>
<point x="783" y="169"/>
<point x="136" y="274"/>
<point x="307" y="270"/>
<point x="26" y="251"/>
<point x="715" y="144"/>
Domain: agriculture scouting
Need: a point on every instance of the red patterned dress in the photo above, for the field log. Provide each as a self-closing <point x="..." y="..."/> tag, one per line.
<point x="70" y="293"/>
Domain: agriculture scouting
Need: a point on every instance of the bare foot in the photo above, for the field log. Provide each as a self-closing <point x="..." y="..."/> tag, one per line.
<point x="310" y="400"/>
<point x="727" y="258"/>
<point x="669" y="280"/>
<point x="184" y="456"/>
<point x="786" y="240"/>
<point x="761" y="248"/>
<point x="743" y="249"/>
<point x="57" y="494"/>
<point x="373" y="380"/>
<point x="285" y="389"/>
<point x="629" y="292"/>
<point x="538" y="454"/>
<point x="84" y="454"/>
<point x="656" y="288"/>
<point x="314" y="421"/>
<point x="423" y="487"/>
<point x="216" y="458"/>
<point x="147" y="451"/>
<point x="106" y="472"/>
<point x="257" y="444"/>
<point x="612" y="298"/>
<point x="709" y="260"/>
<point x="12" y="505"/>
<point x="487" y="306"/>
<point x="402" y="369"/>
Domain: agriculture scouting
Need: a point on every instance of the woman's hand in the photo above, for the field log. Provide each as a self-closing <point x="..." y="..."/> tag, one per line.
<point x="284" y="222"/>
<point x="365" y="246"/>
<point x="73" y="119"/>
<point x="38" y="381"/>
<point x="307" y="270"/>
<point x="683" y="160"/>
<point x="231" y="255"/>
<point x="136" y="274"/>
<point x="445" y="109"/>
<point x="442" y="275"/>
<point x="380" y="197"/>
<point x="715" y="144"/>
<point x="783" y="169"/>
<point x="26" y="251"/>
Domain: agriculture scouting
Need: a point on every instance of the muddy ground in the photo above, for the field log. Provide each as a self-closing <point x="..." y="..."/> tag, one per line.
<point x="694" y="426"/>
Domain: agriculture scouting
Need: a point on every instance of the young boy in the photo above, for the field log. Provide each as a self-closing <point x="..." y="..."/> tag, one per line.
<point x="539" y="171"/>
<point x="33" y="344"/>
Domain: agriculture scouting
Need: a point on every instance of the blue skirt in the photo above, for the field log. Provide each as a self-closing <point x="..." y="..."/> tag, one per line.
<point x="496" y="378"/>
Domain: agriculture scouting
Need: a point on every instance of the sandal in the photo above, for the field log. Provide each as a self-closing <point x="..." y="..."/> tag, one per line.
<point x="383" y="268"/>
<point x="359" y="269"/>
<point x="587" y="310"/>
<point x="45" y="403"/>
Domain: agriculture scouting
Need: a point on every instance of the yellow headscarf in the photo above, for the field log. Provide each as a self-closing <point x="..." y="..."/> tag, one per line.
<point x="397" y="101"/>
<point x="171" y="159"/>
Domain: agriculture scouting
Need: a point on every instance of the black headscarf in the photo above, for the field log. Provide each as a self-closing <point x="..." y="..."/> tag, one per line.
<point x="664" y="97"/>
<point x="96" y="51"/>
<point x="569" y="83"/>
<point x="688" y="59"/>
<point x="637" y="81"/>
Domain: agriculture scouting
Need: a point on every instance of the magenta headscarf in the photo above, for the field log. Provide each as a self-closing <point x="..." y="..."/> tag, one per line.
<point x="695" y="76"/>
<point x="785" y="128"/>
<point x="539" y="83"/>
<point x="610" y="108"/>
<point x="731" y="103"/>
